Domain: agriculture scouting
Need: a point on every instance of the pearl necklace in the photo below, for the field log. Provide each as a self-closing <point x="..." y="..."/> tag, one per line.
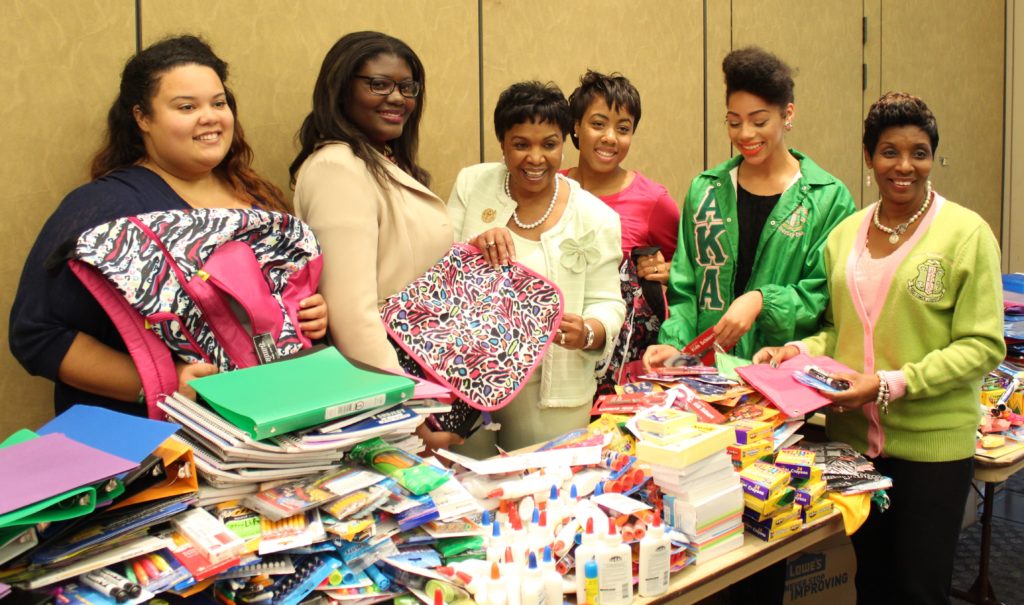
<point x="894" y="234"/>
<point x="515" y="213"/>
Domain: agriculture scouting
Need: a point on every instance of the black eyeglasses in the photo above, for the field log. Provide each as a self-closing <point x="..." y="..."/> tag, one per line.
<point x="410" y="89"/>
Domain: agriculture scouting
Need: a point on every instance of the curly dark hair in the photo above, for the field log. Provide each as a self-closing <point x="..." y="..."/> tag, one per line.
<point x="757" y="71"/>
<point x="329" y="120"/>
<point x="123" y="145"/>
<point x="898" y="109"/>
<point x="531" y="102"/>
<point x="618" y="92"/>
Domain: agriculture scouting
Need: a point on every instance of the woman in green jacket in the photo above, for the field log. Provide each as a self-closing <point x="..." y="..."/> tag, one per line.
<point x="752" y="228"/>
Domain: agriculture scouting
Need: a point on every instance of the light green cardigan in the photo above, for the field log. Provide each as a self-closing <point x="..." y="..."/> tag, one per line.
<point x="941" y="324"/>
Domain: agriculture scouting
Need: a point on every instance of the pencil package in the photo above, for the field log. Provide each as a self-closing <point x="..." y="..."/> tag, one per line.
<point x="409" y="470"/>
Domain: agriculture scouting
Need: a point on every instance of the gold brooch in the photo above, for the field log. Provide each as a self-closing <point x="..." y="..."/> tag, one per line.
<point x="488" y="215"/>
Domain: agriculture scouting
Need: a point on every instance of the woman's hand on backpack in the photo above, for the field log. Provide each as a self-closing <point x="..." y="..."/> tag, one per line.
<point x="191" y="371"/>
<point x="313" y="316"/>
<point x="653" y="267"/>
<point x="496" y="246"/>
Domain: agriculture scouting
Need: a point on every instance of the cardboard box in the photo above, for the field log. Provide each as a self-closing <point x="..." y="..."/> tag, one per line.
<point x="824" y="576"/>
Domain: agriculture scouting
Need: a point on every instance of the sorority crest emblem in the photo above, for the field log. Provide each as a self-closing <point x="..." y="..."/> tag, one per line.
<point x="928" y="286"/>
<point x="794" y="224"/>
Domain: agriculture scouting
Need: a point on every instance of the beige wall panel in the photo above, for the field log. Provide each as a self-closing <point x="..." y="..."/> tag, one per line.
<point x="719" y="43"/>
<point x="275" y="48"/>
<point x="961" y="78"/>
<point x="657" y="45"/>
<point x="822" y="41"/>
<point x="1013" y="204"/>
<point x="62" y="61"/>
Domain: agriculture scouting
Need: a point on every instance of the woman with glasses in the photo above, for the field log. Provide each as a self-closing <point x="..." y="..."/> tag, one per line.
<point x="522" y="210"/>
<point x="359" y="186"/>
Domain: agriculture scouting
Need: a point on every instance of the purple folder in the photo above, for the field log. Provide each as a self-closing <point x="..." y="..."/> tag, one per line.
<point x="51" y="465"/>
<point x="782" y="390"/>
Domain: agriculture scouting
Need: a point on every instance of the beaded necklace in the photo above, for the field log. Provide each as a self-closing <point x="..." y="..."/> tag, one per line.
<point x="515" y="213"/>
<point x="895" y="234"/>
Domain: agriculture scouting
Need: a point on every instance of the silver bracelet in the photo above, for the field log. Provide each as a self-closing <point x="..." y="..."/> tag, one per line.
<point x="589" y="342"/>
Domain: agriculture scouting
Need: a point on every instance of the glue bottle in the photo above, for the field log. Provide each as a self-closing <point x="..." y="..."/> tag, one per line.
<point x="496" y="588"/>
<point x="614" y="568"/>
<point x="584" y="552"/>
<point x="655" y="555"/>
<point x="533" y="583"/>
<point x="552" y="579"/>
<point x="495" y="544"/>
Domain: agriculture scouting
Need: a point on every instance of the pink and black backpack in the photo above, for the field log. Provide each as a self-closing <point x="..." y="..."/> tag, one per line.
<point x="216" y="285"/>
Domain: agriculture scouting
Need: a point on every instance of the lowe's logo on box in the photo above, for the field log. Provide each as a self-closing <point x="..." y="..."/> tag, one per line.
<point x="807" y="576"/>
<point x="807" y="563"/>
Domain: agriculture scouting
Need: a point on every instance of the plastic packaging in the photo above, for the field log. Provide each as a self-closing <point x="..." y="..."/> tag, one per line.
<point x="409" y="470"/>
<point x="449" y="592"/>
<point x="655" y="555"/>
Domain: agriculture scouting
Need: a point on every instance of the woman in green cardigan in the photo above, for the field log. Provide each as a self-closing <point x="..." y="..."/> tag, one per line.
<point x="916" y="307"/>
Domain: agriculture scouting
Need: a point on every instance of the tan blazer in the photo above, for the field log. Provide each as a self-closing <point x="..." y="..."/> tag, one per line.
<point x="375" y="242"/>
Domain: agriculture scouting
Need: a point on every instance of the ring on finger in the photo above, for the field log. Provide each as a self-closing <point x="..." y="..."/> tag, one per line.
<point x="840" y="409"/>
<point x="561" y="338"/>
<point x="490" y="244"/>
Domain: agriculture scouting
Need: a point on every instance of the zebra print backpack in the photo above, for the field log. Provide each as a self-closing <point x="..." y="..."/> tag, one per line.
<point x="216" y="285"/>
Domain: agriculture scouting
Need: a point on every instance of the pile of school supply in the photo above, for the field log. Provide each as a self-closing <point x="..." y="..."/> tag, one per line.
<point x="594" y="512"/>
<point x="327" y="531"/>
<point x="781" y="497"/>
<point x="701" y="494"/>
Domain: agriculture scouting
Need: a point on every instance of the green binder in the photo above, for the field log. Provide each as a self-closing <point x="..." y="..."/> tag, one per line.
<point x="299" y="392"/>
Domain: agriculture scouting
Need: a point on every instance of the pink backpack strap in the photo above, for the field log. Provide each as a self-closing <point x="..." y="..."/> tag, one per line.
<point x="151" y="356"/>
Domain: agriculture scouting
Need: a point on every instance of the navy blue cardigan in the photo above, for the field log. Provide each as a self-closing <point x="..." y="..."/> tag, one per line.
<point x="52" y="306"/>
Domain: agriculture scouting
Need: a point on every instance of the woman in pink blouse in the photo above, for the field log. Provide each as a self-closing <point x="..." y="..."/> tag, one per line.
<point x="606" y="113"/>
